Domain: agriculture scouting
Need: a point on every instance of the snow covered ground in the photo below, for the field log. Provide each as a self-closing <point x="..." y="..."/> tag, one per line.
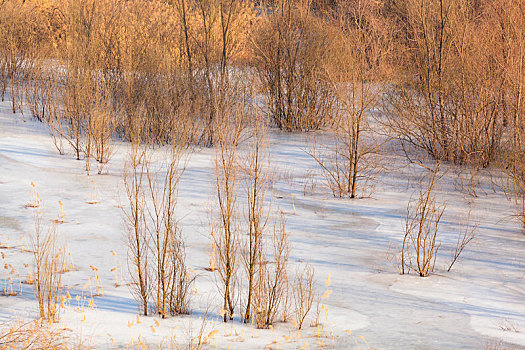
<point x="481" y="302"/>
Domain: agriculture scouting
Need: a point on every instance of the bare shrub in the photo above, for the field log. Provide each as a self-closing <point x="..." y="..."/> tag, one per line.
<point x="103" y="125"/>
<point x="256" y="170"/>
<point x="289" y="49"/>
<point x="48" y="259"/>
<point x="181" y="281"/>
<point x="271" y="283"/>
<point x="357" y="71"/>
<point x="226" y="232"/>
<point x="172" y="281"/>
<point x="157" y="254"/>
<point x="219" y="24"/>
<point x="349" y="168"/>
<point x="420" y="245"/>
<point x="303" y="293"/>
<point x="40" y="90"/>
<point x="266" y="277"/>
<point x="509" y="19"/>
<point x="23" y="34"/>
<point x="79" y="86"/>
<point x="447" y="98"/>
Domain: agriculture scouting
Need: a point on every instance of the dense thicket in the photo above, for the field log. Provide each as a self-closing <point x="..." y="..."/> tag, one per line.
<point x="448" y="74"/>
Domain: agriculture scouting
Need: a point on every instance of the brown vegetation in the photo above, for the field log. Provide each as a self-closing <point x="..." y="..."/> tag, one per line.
<point x="451" y="72"/>
<point x="447" y="76"/>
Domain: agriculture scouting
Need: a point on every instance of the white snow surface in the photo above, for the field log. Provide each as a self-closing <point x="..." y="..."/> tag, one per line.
<point x="481" y="301"/>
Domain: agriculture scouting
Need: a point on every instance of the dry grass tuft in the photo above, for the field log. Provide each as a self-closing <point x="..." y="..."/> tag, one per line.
<point x="35" y="335"/>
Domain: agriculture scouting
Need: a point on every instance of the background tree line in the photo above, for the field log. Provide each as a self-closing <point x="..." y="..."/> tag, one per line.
<point x="444" y="78"/>
<point x="446" y="75"/>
